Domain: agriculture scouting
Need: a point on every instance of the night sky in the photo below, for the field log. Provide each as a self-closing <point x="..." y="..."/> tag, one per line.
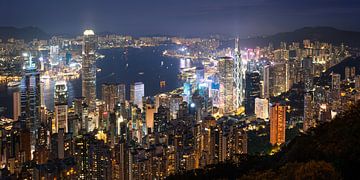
<point x="180" y="17"/>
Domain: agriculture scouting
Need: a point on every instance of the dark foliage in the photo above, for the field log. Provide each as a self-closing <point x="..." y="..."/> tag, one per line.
<point x="329" y="151"/>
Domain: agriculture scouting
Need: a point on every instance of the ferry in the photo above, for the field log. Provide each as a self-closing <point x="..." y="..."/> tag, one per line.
<point x="13" y="83"/>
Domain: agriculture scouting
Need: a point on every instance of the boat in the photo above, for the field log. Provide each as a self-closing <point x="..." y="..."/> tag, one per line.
<point x="141" y="73"/>
<point x="13" y="83"/>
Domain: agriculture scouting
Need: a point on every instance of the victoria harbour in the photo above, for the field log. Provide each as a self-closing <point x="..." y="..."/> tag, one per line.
<point x="120" y="65"/>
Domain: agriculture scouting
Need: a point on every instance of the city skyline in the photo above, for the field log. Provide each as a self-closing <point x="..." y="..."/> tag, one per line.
<point x="171" y="105"/>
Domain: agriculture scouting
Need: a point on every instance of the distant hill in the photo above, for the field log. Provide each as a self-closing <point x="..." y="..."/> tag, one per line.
<point x="26" y="33"/>
<point x="330" y="151"/>
<point x="322" y="34"/>
<point x="325" y="78"/>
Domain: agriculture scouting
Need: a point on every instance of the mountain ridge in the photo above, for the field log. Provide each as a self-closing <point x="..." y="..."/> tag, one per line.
<point x="27" y="33"/>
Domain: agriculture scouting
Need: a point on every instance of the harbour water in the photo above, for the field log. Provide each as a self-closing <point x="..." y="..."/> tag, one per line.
<point x="120" y="65"/>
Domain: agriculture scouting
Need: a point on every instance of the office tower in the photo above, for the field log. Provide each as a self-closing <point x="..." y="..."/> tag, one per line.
<point x="309" y="120"/>
<point x="261" y="108"/>
<point x="161" y="118"/>
<point x="175" y="101"/>
<point x="187" y="92"/>
<point x="199" y="73"/>
<point x="266" y="82"/>
<point x="162" y="99"/>
<point x="31" y="102"/>
<point x="112" y="94"/>
<point x="150" y="110"/>
<point x="238" y="76"/>
<point x="60" y="143"/>
<point x="335" y="85"/>
<point x="226" y="77"/>
<point x="308" y="70"/>
<point x="89" y="69"/>
<point x="347" y="72"/>
<point x="277" y="124"/>
<point x="252" y="91"/>
<point x="61" y="106"/>
<point x="54" y="54"/>
<point x="137" y="92"/>
<point x="279" y="79"/>
<point x="16" y="105"/>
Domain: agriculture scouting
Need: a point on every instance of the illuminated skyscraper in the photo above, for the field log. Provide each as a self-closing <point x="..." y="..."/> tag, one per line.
<point x="16" y="105"/>
<point x="261" y="108"/>
<point x="31" y="101"/>
<point x="266" y="82"/>
<point x="61" y="107"/>
<point x="335" y="85"/>
<point x="252" y="91"/>
<point x="199" y="72"/>
<point x="277" y="124"/>
<point x="226" y="77"/>
<point x="112" y="94"/>
<point x="137" y="92"/>
<point x="89" y="69"/>
<point x="279" y="79"/>
<point x="308" y="69"/>
<point x="238" y="76"/>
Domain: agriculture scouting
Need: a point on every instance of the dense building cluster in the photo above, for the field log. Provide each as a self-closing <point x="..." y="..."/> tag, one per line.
<point x="204" y="122"/>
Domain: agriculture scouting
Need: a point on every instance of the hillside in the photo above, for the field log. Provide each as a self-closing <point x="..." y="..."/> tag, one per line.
<point x="26" y="33"/>
<point x="322" y="34"/>
<point x="330" y="151"/>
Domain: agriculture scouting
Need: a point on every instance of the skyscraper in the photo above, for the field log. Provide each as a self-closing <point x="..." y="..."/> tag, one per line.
<point x="112" y="94"/>
<point x="279" y="79"/>
<point x="137" y="92"/>
<point x="16" y="105"/>
<point x="252" y="91"/>
<point x="31" y="102"/>
<point x="266" y="82"/>
<point x="277" y="124"/>
<point x="238" y="75"/>
<point x="61" y="107"/>
<point x="226" y="77"/>
<point x="261" y="108"/>
<point x="89" y="69"/>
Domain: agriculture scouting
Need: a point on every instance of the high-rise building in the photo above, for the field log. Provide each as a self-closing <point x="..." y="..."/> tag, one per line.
<point x="238" y="75"/>
<point x="266" y="82"/>
<point x="112" y="94"/>
<point x="308" y="69"/>
<point x="149" y="115"/>
<point x="279" y="79"/>
<point x="61" y="106"/>
<point x="252" y="91"/>
<point x="277" y="124"/>
<point x="31" y="103"/>
<point x="335" y="85"/>
<point x="261" y="108"/>
<point x="89" y="69"/>
<point x="309" y="120"/>
<point x="226" y="78"/>
<point x="16" y="105"/>
<point x="200" y="73"/>
<point x="137" y="92"/>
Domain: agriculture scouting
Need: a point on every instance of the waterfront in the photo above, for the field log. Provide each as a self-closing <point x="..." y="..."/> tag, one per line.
<point x="146" y="65"/>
